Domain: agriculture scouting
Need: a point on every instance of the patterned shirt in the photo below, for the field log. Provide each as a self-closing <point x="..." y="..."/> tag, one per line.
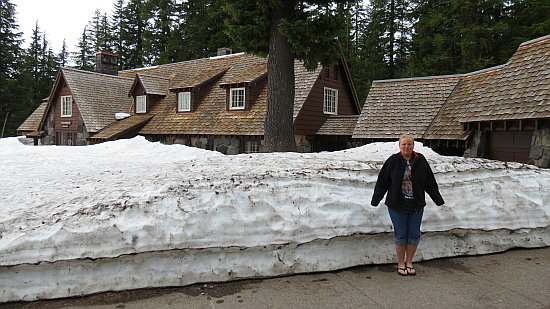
<point x="406" y="185"/>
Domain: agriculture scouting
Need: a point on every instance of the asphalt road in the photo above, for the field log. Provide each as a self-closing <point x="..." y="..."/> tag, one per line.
<point x="518" y="278"/>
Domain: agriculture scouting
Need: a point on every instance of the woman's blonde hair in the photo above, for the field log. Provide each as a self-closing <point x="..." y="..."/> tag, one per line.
<point x="406" y="136"/>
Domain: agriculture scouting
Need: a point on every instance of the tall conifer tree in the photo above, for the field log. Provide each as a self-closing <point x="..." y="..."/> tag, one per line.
<point x="10" y="53"/>
<point x="285" y="30"/>
<point x="85" y="56"/>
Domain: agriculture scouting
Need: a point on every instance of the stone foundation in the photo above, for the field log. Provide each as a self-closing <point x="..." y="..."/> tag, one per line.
<point x="540" y="147"/>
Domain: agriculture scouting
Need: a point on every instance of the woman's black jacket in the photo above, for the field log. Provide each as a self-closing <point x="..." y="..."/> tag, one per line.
<point x="391" y="177"/>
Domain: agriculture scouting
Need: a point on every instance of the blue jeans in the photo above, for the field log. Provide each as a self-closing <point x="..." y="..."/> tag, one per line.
<point x="406" y="227"/>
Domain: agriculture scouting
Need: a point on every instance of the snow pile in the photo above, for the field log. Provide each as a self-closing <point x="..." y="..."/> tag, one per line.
<point x="132" y="202"/>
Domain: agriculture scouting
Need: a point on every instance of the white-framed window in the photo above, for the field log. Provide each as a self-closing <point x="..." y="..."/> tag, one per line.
<point x="330" y="101"/>
<point x="252" y="147"/>
<point x="236" y="98"/>
<point x="184" y="101"/>
<point x="141" y="104"/>
<point x="66" y="106"/>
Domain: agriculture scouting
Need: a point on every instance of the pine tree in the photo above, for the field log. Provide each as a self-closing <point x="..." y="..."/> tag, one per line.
<point x="285" y="30"/>
<point x="10" y="53"/>
<point x="49" y="65"/>
<point x="457" y="36"/>
<point x="525" y="20"/>
<point x="201" y="28"/>
<point x="116" y="29"/>
<point x="63" y="55"/>
<point x="134" y="25"/>
<point x="162" y="16"/>
<point x="85" y="57"/>
<point x="355" y="51"/>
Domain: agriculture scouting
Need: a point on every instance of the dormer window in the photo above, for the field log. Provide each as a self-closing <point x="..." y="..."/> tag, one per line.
<point x="141" y="104"/>
<point x="184" y="101"/>
<point x="330" y="101"/>
<point x="66" y="106"/>
<point x="236" y="98"/>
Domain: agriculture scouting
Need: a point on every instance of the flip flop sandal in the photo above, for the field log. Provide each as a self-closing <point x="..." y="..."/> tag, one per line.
<point x="411" y="271"/>
<point x="402" y="271"/>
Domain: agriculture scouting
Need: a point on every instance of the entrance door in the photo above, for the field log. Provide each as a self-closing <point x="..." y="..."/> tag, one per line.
<point x="510" y="145"/>
<point x="63" y="138"/>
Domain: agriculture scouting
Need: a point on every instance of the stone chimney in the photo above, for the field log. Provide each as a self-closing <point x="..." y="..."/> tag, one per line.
<point x="224" y="51"/>
<point x="106" y="63"/>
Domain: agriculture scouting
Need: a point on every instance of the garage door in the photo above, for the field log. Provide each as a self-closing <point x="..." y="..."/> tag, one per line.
<point x="510" y="145"/>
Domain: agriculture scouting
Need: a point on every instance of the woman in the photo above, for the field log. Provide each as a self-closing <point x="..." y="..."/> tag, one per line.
<point x="405" y="176"/>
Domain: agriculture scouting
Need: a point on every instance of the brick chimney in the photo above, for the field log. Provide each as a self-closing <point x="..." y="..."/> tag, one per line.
<point x="106" y="63"/>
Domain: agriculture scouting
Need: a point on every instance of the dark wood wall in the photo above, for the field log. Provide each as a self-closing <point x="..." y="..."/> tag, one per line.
<point x="65" y="129"/>
<point x="311" y="116"/>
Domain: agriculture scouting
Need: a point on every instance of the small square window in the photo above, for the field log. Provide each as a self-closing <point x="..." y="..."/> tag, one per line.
<point x="251" y="147"/>
<point x="184" y="101"/>
<point x="141" y="104"/>
<point x="66" y="106"/>
<point x="236" y="98"/>
<point x="330" y="101"/>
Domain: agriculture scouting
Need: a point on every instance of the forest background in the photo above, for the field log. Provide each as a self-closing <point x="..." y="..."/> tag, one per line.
<point x="380" y="39"/>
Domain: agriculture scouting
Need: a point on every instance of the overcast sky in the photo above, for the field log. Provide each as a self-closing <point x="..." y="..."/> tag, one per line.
<point x="59" y="19"/>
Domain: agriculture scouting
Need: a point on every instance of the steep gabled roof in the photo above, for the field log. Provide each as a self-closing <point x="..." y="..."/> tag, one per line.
<point x="519" y="89"/>
<point x="32" y="123"/>
<point x="398" y="106"/>
<point x="155" y="85"/>
<point x="98" y="96"/>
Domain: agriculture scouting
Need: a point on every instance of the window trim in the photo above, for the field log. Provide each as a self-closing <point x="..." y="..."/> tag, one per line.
<point x="66" y="111"/>
<point x="144" y="110"/>
<point x="181" y="95"/>
<point x="231" y="105"/>
<point x="326" y="106"/>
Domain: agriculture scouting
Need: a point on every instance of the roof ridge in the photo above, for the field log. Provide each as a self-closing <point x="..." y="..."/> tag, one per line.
<point x="497" y="67"/>
<point x="185" y="61"/>
<point x="452" y="76"/>
<point x="151" y="75"/>
<point x="93" y="73"/>
<point x="542" y="38"/>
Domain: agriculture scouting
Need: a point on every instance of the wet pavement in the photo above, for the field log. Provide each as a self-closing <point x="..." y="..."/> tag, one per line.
<point x="518" y="278"/>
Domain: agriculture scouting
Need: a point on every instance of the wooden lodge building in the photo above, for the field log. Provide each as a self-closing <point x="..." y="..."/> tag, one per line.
<point x="219" y="103"/>
<point x="216" y="103"/>
<point x="500" y="113"/>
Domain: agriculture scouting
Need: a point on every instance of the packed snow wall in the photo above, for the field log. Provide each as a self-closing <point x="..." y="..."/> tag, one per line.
<point x="122" y="218"/>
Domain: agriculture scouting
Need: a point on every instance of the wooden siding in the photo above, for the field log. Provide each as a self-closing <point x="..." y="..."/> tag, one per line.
<point x="61" y="122"/>
<point x="311" y="117"/>
<point x="66" y="129"/>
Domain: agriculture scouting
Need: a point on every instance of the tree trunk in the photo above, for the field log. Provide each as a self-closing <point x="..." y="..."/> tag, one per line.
<point x="279" y="127"/>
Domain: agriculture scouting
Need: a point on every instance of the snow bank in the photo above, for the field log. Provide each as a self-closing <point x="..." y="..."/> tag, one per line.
<point x="136" y="203"/>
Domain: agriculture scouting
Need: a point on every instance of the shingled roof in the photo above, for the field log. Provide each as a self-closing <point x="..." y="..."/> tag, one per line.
<point x="156" y="85"/>
<point x="32" y="123"/>
<point x="185" y="80"/>
<point x="398" y="106"/>
<point x="339" y="125"/>
<point x="119" y="128"/>
<point x="211" y="116"/>
<point x="98" y="96"/>
<point x="519" y="89"/>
